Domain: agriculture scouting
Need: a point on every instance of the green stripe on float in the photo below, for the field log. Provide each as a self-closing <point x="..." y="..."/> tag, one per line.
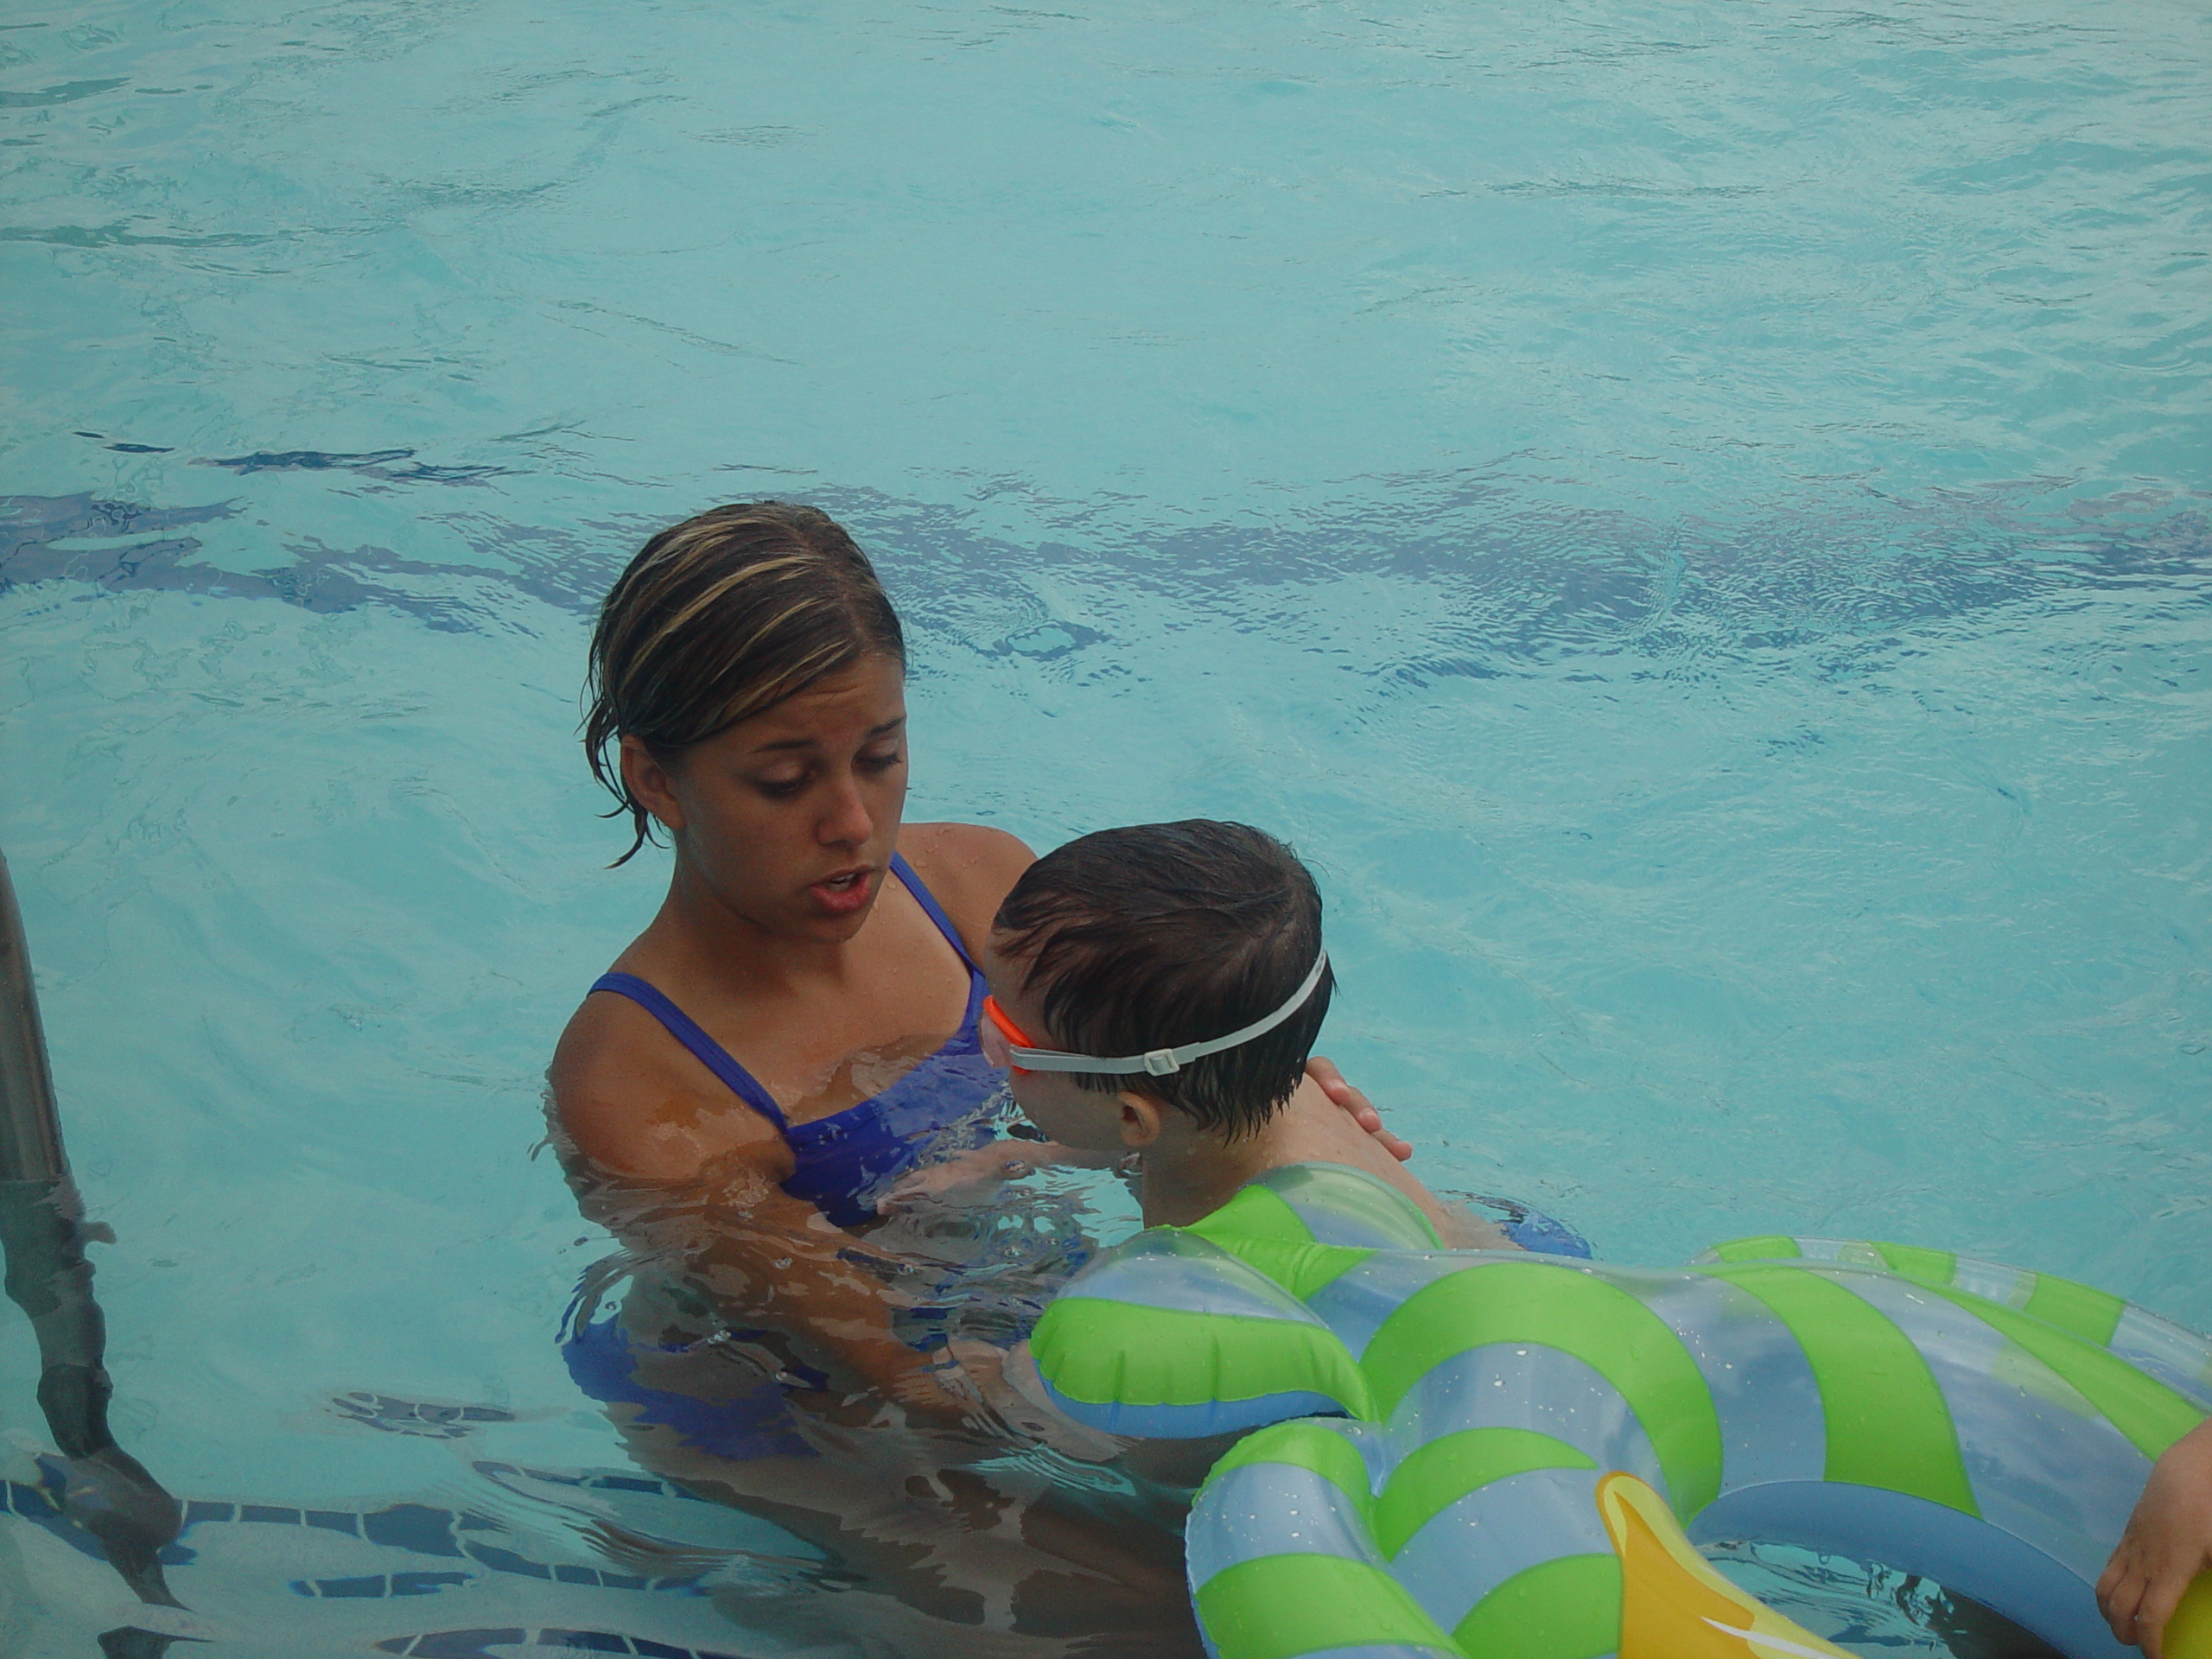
<point x="1547" y="1306"/>
<point x="1888" y="1424"/>
<point x="1568" y="1607"/>
<point x="1351" y="1194"/>
<point x="1303" y="1270"/>
<point x="1281" y="1606"/>
<point x="1933" y="1268"/>
<point x="1259" y="1229"/>
<point x="2091" y="1314"/>
<point x="1440" y="1473"/>
<point x="1304" y="1444"/>
<point x="1255" y="1212"/>
<point x="1768" y="1247"/>
<point x="1103" y="1352"/>
<point x="2151" y="1415"/>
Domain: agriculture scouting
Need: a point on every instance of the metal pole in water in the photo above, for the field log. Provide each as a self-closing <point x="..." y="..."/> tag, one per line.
<point x="43" y="1234"/>
<point x="30" y="1131"/>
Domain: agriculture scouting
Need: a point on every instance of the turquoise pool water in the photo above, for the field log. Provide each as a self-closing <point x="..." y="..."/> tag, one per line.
<point x="1694" y="518"/>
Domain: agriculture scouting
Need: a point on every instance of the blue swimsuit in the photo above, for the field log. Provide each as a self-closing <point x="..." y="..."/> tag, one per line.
<point x="845" y="1161"/>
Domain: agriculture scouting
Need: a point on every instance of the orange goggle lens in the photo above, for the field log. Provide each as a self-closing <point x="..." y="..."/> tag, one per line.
<point x="1011" y="1035"/>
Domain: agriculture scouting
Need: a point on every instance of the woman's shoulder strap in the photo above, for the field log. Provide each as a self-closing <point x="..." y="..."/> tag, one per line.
<point x="931" y="908"/>
<point x="686" y="1031"/>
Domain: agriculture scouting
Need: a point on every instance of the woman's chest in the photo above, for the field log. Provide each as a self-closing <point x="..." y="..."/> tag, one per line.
<point x="818" y="1056"/>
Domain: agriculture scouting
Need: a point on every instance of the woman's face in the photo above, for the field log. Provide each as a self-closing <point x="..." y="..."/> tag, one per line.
<point x="789" y="819"/>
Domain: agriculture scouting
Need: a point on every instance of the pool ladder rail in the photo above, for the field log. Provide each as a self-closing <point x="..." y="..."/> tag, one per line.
<point x="43" y="1234"/>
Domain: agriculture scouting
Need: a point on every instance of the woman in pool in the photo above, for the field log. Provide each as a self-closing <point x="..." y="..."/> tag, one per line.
<point x="748" y="671"/>
<point x="793" y="1034"/>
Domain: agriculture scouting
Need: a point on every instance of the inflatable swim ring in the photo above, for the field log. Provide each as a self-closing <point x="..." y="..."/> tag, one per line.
<point x="1490" y="1455"/>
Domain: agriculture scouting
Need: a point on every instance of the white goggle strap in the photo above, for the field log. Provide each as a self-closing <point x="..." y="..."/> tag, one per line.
<point x="1160" y="1062"/>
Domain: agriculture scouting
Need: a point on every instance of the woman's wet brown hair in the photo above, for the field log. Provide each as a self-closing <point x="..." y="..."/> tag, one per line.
<point x="719" y="618"/>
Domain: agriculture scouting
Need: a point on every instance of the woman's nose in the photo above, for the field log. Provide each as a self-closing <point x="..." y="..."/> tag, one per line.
<point x="846" y="821"/>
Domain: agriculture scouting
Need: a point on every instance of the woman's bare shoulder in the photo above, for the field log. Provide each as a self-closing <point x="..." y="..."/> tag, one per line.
<point x="630" y="1102"/>
<point x="968" y="867"/>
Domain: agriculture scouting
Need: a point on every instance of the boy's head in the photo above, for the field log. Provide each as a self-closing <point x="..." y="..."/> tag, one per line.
<point x="1151" y="937"/>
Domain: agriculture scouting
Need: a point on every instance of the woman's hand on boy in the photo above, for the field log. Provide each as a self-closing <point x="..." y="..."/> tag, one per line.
<point x="1331" y="1081"/>
<point x="2168" y="1542"/>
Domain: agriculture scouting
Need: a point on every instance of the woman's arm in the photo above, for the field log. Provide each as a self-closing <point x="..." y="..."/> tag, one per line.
<point x="971" y="1178"/>
<point x="694" y="1180"/>
<point x="1008" y="1380"/>
<point x="2167" y="1544"/>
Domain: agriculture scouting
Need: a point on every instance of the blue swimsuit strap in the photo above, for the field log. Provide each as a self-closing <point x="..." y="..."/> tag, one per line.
<point x="685" y="1029"/>
<point x="931" y="909"/>
<point x="717" y="1059"/>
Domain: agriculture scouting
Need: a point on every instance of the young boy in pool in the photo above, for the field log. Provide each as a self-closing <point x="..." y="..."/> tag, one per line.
<point x="1156" y="990"/>
<point x="1116" y="949"/>
<point x="1110" y="952"/>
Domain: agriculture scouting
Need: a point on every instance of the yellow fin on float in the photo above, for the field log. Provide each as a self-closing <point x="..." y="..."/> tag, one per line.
<point x="1675" y="1606"/>
<point x="2189" y="1632"/>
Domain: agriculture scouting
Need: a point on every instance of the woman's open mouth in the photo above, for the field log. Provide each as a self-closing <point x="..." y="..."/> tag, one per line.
<point x="844" y="892"/>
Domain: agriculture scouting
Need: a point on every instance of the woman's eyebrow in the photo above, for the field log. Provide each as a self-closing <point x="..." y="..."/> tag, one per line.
<point x="884" y="730"/>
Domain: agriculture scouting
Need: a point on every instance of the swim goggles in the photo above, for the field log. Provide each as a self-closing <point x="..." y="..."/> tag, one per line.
<point x="1022" y="1055"/>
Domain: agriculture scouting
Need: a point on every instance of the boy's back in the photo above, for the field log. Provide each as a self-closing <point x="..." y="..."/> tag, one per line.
<point x="1312" y="1129"/>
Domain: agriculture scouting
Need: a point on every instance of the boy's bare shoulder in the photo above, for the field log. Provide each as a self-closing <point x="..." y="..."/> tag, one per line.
<point x="1314" y="1129"/>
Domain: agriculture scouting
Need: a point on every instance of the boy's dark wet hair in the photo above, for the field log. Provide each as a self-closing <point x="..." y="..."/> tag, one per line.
<point x="1161" y="934"/>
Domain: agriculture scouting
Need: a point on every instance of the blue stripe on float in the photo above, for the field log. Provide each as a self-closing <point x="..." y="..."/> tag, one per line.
<point x="1356" y="1302"/>
<point x="1194" y="1423"/>
<point x="2064" y="1481"/>
<point x="1273" y="1509"/>
<point x="1469" y="1547"/>
<point x="1527" y="1385"/>
<point x="1772" y="1424"/>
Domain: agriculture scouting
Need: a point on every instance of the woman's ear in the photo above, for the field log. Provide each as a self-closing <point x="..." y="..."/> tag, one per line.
<point x="1140" y="1118"/>
<point x="648" y="778"/>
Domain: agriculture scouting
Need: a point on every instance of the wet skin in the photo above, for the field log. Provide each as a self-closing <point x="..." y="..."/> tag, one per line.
<point x="1189" y="1172"/>
<point x="785" y="937"/>
<point x="782" y="936"/>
